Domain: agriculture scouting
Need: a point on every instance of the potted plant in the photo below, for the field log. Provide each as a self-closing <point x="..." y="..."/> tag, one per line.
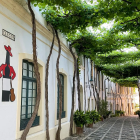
<point x="121" y="113"/>
<point x="80" y="121"/>
<point x="112" y="115"/>
<point x="96" y="116"/>
<point x="108" y="113"/>
<point x="103" y="109"/>
<point x="89" y="119"/>
<point x="138" y="113"/>
<point x="101" y="118"/>
<point x="117" y="113"/>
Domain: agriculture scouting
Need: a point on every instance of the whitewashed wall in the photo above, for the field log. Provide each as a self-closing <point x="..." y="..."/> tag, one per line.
<point x="23" y="44"/>
<point x="15" y="19"/>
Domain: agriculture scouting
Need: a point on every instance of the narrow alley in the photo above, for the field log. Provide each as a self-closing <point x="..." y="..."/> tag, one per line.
<point x="116" y="128"/>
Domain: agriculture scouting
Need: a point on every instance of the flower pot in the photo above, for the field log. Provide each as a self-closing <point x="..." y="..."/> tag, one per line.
<point x="79" y="130"/>
<point x="101" y="119"/>
<point x="90" y="125"/>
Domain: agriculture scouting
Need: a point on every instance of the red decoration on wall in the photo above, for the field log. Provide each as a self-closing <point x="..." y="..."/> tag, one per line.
<point x="8" y="75"/>
<point x="8" y="49"/>
<point x="12" y="72"/>
<point x="2" y="68"/>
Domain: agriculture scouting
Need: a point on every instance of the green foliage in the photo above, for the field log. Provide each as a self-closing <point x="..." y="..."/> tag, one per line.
<point x="127" y="82"/>
<point x="108" y="113"/>
<point x="89" y="117"/>
<point x="95" y="115"/>
<point x="138" y="113"/>
<point x="124" y="12"/>
<point x="72" y="17"/>
<point x="91" y="45"/>
<point x="61" y="3"/>
<point x="79" y="118"/>
<point x="92" y="116"/>
<point x="117" y="57"/>
<point x="119" y="112"/>
<point x="125" y="74"/>
<point x="122" y="112"/>
<point x="112" y="115"/>
<point x="103" y="108"/>
<point x="79" y="68"/>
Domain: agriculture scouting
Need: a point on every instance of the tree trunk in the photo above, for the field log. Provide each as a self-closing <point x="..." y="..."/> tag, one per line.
<point x="60" y="89"/>
<point x="72" y="108"/>
<point x="139" y="97"/>
<point x="94" y="89"/>
<point x="121" y="102"/>
<point x="46" y="87"/>
<point x="78" y="86"/>
<point x="89" y="84"/>
<point x="98" y="99"/>
<point x="37" y="75"/>
<point x="84" y="85"/>
<point x="95" y="98"/>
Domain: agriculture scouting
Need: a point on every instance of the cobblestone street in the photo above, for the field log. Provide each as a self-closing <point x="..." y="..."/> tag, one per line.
<point x="117" y="128"/>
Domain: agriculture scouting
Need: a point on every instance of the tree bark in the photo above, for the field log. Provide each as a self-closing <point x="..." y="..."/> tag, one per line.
<point x="89" y="84"/>
<point x="46" y="87"/>
<point x="98" y="99"/>
<point x="94" y="89"/>
<point x="95" y="98"/>
<point x="73" y="89"/>
<point x="139" y="97"/>
<point x="37" y="75"/>
<point x="78" y="86"/>
<point x="60" y="89"/>
<point x="84" y="85"/>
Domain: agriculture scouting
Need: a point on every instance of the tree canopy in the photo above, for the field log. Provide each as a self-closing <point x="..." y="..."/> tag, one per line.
<point x="72" y="17"/>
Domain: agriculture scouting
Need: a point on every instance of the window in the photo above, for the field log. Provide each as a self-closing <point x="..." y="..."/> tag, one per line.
<point x="62" y="84"/>
<point x="28" y="94"/>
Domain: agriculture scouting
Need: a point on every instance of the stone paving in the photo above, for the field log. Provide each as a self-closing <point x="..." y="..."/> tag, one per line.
<point x="117" y="128"/>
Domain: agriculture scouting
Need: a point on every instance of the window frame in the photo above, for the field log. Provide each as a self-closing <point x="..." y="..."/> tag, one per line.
<point x="23" y="122"/>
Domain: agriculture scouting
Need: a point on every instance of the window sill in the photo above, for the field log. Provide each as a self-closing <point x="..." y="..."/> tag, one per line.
<point x="31" y="131"/>
<point x="63" y="120"/>
<point x="24" y="122"/>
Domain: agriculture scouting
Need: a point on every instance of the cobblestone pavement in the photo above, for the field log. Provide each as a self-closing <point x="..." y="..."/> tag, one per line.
<point x="117" y="128"/>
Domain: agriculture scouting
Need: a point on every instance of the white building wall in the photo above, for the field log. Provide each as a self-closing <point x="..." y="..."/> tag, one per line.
<point x="17" y="21"/>
<point x="9" y="130"/>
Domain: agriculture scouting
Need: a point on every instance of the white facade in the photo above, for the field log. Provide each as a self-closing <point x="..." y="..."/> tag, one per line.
<point x="15" y="19"/>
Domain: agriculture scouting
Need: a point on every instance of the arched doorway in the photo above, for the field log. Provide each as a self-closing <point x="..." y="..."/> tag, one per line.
<point x="81" y="97"/>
